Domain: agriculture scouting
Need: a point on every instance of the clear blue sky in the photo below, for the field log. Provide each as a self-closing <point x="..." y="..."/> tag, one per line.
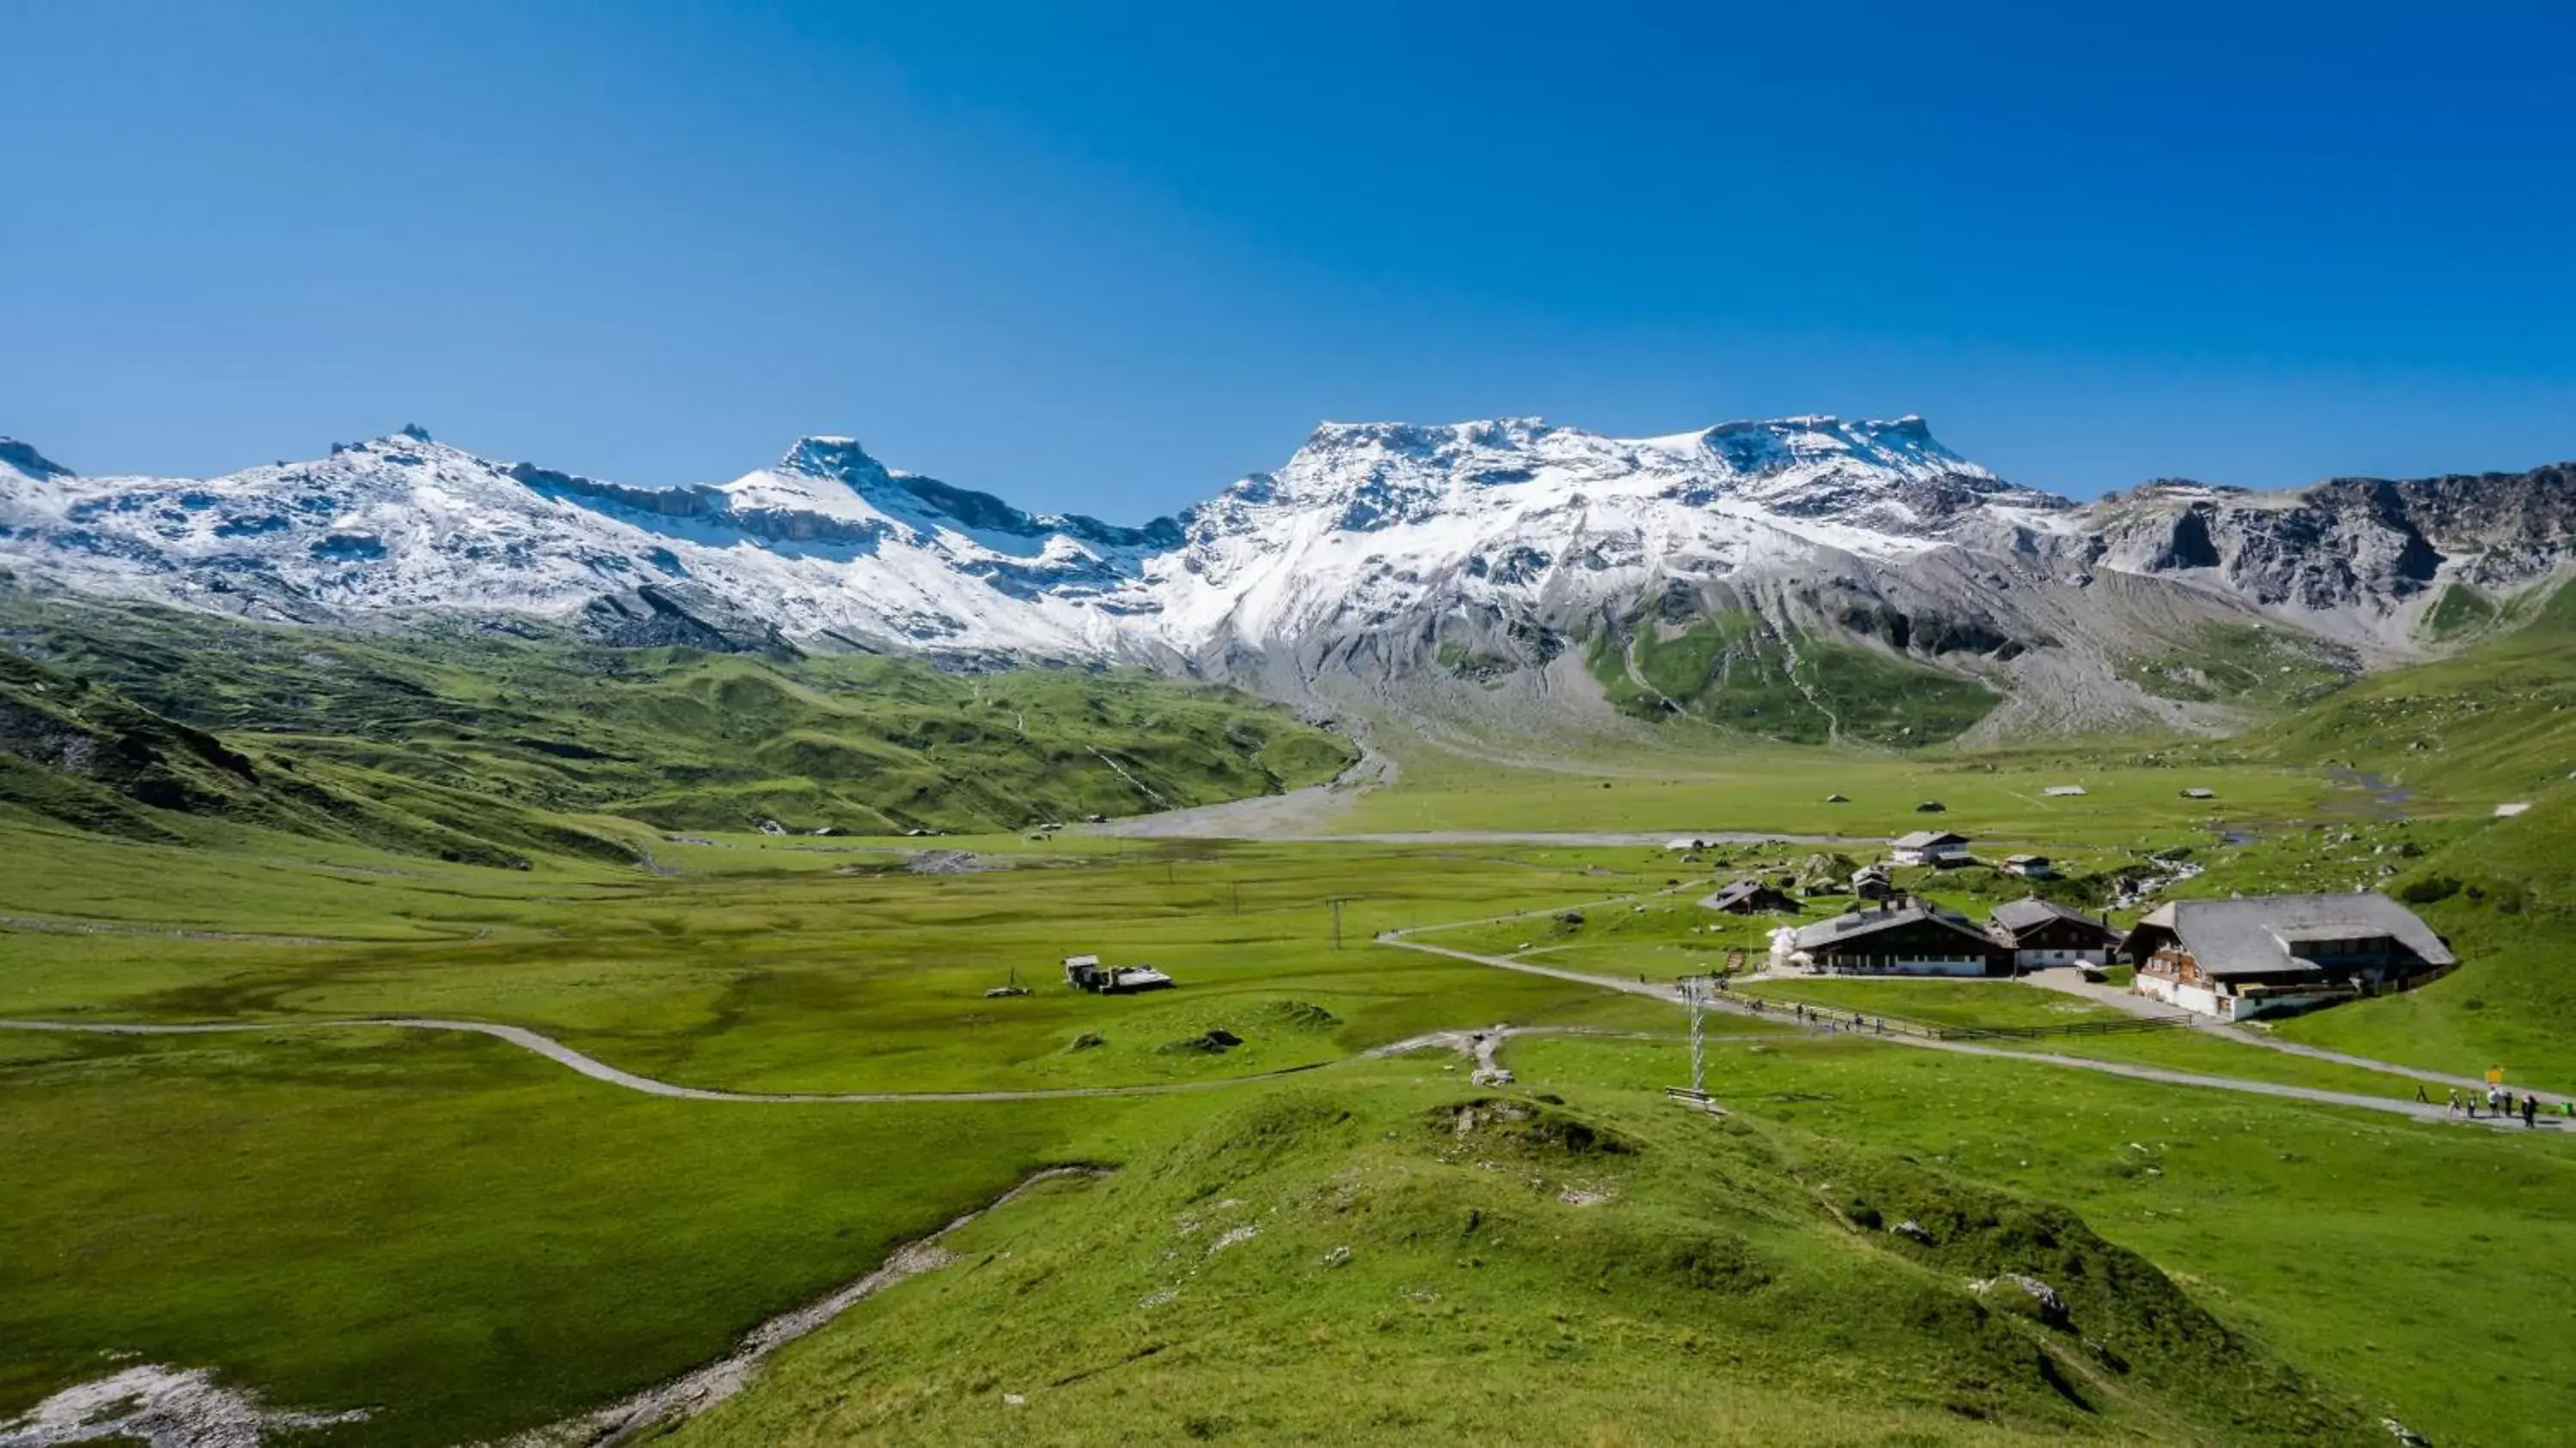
<point x="1111" y="261"/>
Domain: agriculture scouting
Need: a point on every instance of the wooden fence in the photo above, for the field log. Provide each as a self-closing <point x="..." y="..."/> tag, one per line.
<point x="1842" y="1018"/>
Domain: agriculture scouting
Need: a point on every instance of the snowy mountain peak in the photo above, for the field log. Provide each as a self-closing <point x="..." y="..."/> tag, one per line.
<point x="832" y="457"/>
<point x="23" y="459"/>
<point x="414" y="431"/>
<point x="1892" y="477"/>
<point x="1904" y="447"/>
<point x="837" y="477"/>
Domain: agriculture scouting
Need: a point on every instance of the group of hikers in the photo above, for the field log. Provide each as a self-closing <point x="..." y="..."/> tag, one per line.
<point x="1822" y="1020"/>
<point x="1829" y="1022"/>
<point x="2500" y="1103"/>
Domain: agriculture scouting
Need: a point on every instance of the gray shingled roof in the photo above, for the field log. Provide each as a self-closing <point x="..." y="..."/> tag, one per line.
<point x="1862" y="923"/>
<point x="2020" y="915"/>
<point x="1921" y="838"/>
<point x="2243" y="937"/>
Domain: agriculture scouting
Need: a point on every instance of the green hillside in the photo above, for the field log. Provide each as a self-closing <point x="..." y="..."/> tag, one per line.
<point x="2497" y="718"/>
<point x="1734" y="670"/>
<point x="83" y="754"/>
<point x="1414" y="1263"/>
<point x="489" y="734"/>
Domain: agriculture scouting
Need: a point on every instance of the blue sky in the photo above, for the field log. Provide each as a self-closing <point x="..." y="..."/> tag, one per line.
<point x="1108" y="261"/>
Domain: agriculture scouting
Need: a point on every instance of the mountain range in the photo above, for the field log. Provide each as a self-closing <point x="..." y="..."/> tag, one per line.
<point x="1804" y="578"/>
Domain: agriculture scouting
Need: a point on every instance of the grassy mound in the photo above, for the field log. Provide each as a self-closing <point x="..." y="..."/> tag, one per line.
<point x="1412" y="1263"/>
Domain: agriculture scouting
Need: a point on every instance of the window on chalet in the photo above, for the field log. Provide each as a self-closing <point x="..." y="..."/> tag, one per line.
<point x="2345" y="948"/>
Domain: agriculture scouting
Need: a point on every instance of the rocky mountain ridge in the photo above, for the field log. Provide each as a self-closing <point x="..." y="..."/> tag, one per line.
<point x="1502" y="569"/>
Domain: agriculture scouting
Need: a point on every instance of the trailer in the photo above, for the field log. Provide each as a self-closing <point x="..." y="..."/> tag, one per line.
<point x="1085" y="972"/>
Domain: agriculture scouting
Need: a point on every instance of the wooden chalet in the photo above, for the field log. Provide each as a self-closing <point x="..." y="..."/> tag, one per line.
<point x="2273" y="955"/>
<point x="2043" y="932"/>
<point x="1929" y="847"/>
<point x="1750" y="897"/>
<point x="1895" y="937"/>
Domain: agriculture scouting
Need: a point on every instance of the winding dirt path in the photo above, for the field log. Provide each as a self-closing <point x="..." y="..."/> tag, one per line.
<point x="598" y="1070"/>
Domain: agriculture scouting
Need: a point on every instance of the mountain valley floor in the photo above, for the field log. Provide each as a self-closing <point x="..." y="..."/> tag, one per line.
<point x="1308" y="1221"/>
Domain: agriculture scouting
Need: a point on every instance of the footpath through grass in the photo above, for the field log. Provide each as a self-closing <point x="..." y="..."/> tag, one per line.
<point x="451" y="1232"/>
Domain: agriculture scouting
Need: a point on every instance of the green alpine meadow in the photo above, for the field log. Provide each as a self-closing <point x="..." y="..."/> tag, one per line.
<point x="441" y="1037"/>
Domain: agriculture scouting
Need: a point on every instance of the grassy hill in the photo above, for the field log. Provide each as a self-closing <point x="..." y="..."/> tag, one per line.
<point x="1415" y="1261"/>
<point x="485" y="735"/>
<point x="1735" y="670"/>
<point x="2497" y="718"/>
<point x="82" y="754"/>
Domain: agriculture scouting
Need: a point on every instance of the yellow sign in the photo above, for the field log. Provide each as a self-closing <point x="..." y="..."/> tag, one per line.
<point x="2495" y="1075"/>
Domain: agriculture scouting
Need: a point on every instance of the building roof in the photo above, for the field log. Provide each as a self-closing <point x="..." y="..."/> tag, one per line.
<point x="2018" y="916"/>
<point x="1925" y="839"/>
<point x="1861" y="924"/>
<point x="2253" y="937"/>
<point x="2025" y="859"/>
<point x="1740" y="890"/>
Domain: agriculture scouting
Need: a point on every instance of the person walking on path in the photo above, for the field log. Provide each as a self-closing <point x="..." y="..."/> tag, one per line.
<point x="2453" y="1107"/>
<point x="2420" y="1096"/>
<point x="2530" y="1110"/>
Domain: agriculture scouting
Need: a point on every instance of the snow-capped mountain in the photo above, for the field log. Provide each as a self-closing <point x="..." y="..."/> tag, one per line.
<point x="1467" y="567"/>
<point x="1368" y="522"/>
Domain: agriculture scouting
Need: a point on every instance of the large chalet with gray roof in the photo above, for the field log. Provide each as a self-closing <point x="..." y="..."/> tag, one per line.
<point x="2240" y="959"/>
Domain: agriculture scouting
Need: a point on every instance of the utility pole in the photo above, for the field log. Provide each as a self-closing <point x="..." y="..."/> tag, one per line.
<point x="1695" y="990"/>
<point x="1695" y="994"/>
<point x="1337" y="902"/>
<point x="1238" y="897"/>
